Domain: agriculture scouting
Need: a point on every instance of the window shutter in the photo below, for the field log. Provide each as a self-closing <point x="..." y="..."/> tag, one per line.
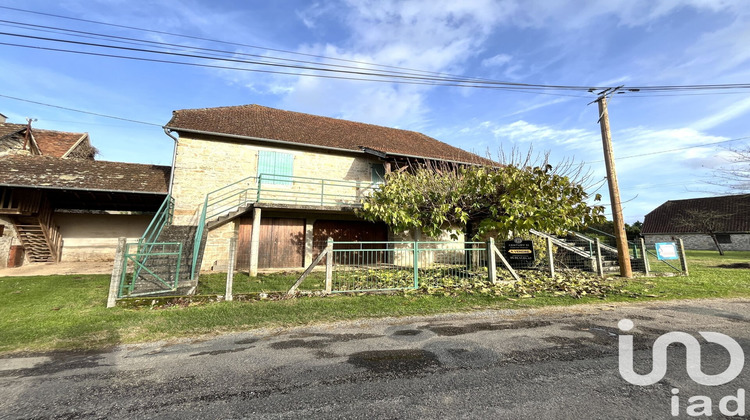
<point x="275" y="163"/>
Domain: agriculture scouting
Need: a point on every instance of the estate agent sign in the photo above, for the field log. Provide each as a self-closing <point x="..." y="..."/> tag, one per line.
<point x="520" y="253"/>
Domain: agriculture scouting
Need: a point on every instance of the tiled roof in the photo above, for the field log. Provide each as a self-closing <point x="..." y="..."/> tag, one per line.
<point x="259" y="122"/>
<point x="8" y="128"/>
<point x="55" y="143"/>
<point x="80" y="174"/>
<point x="50" y="142"/>
<point x="665" y="218"/>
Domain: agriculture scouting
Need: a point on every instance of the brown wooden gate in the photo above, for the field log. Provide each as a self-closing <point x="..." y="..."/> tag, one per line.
<point x="350" y="231"/>
<point x="282" y="243"/>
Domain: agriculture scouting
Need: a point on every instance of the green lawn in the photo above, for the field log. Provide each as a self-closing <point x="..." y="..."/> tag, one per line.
<point x="68" y="312"/>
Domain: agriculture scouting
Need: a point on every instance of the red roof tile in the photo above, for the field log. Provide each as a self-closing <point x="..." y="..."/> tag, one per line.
<point x="259" y="122"/>
<point x="50" y="142"/>
<point x="55" y="143"/>
<point x="666" y="218"/>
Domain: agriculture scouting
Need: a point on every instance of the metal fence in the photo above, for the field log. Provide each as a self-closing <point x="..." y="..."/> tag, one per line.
<point x="150" y="268"/>
<point x="379" y="266"/>
<point x="153" y="264"/>
<point x="362" y="266"/>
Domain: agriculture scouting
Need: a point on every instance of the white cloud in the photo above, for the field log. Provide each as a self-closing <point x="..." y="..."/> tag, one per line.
<point x="729" y="113"/>
<point x="545" y="136"/>
<point x="497" y="61"/>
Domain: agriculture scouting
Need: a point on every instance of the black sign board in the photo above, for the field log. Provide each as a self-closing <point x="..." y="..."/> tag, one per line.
<point x="519" y="253"/>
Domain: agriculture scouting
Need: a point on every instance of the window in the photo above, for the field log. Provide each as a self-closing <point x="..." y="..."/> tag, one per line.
<point x="275" y="167"/>
<point x="378" y="173"/>
<point x="724" y="238"/>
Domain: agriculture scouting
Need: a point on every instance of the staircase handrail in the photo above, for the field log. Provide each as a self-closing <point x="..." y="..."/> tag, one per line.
<point x="147" y="241"/>
<point x="162" y="218"/>
<point x="562" y="244"/>
<point x="591" y="242"/>
<point x="631" y="245"/>
<point x="198" y="239"/>
<point x="251" y="189"/>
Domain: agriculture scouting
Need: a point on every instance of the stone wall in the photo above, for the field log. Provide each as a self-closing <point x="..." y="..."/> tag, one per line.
<point x="739" y="241"/>
<point x="93" y="237"/>
<point x="206" y="164"/>
<point x="8" y="239"/>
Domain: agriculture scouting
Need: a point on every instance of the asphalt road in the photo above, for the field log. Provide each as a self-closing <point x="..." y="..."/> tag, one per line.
<point x="540" y="364"/>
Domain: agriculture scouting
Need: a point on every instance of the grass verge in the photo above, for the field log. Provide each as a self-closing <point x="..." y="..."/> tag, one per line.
<point x="68" y="312"/>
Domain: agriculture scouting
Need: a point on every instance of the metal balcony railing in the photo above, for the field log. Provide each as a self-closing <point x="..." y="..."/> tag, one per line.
<point x="280" y="189"/>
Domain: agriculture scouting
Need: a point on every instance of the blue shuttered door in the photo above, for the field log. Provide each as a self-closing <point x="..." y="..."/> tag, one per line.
<point x="275" y="167"/>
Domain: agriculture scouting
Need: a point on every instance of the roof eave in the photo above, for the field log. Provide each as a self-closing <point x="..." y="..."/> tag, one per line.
<point x="314" y="146"/>
<point x="50" y="187"/>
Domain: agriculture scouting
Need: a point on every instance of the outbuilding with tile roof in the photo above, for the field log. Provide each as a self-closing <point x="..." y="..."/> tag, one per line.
<point x="729" y="216"/>
<point x="58" y="203"/>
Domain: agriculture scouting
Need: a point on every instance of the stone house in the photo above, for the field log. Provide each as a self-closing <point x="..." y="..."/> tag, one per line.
<point x="59" y="204"/>
<point x="282" y="182"/>
<point x="728" y="217"/>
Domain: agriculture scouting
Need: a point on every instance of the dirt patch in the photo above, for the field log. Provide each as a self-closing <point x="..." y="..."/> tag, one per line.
<point x="61" y="268"/>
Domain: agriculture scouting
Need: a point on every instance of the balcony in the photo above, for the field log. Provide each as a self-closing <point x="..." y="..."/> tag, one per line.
<point x="289" y="191"/>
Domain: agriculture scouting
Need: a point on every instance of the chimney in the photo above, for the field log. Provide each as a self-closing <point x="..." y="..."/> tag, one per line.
<point x="3" y="118"/>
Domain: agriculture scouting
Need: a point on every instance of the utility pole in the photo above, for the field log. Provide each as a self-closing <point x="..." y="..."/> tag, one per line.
<point x="623" y="253"/>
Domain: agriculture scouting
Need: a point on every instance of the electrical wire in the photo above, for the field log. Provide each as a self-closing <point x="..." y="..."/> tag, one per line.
<point x="80" y="111"/>
<point x="441" y="78"/>
<point x="658" y="152"/>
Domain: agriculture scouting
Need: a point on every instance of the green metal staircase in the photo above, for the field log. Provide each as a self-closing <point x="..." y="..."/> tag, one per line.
<point x="167" y="258"/>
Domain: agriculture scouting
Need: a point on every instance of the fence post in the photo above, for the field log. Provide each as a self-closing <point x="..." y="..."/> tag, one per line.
<point x="255" y="242"/>
<point x="117" y="273"/>
<point x="415" y="262"/>
<point x="646" y="266"/>
<point x="329" y="265"/>
<point x="230" y="268"/>
<point x="599" y="264"/>
<point x="491" y="263"/>
<point x="550" y="257"/>
<point x="683" y="259"/>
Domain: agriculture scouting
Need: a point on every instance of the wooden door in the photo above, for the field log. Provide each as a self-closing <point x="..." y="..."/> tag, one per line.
<point x="351" y="231"/>
<point x="281" y="243"/>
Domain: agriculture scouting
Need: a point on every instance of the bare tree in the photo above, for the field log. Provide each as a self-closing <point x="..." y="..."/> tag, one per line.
<point x="735" y="176"/>
<point x="703" y="221"/>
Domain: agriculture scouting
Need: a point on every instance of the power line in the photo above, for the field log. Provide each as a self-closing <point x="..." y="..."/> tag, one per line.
<point x="80" y="111"/>
<point x="438" y="76"/>
<point x="226" y="42"/>
<point x="463" y="82"/>
<point x="674" y="150"/>
<point x="412" y="82"/>
<point x="137" y="41"/>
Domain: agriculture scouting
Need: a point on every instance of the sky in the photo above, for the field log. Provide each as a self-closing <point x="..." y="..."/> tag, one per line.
<point x="612" y="43"/>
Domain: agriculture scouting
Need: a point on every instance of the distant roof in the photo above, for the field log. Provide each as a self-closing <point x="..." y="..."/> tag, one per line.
<point x="256" y="122"/>
<point x="665" y="218"/>
<point x="56" y="143"/>
<point x="50" y="142"/>
<point x="80" y="174"/>
<point x="8" y="128"/>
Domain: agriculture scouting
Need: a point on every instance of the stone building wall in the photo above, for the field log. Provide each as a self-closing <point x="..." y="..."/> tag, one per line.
<point x="204" y="165"/>
<point x="739" y="241"/>
<point x="8" y="239"/>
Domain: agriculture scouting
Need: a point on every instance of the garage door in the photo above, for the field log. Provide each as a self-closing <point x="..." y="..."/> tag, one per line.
<point x="350" y="231"/>
<point x="281" y="243"/>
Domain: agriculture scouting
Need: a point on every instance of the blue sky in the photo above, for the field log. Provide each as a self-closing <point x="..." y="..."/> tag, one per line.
<point x="581" y="43"/>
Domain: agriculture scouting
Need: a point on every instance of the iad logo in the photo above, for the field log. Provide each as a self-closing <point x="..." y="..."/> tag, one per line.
<point x="701" y="405"/>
